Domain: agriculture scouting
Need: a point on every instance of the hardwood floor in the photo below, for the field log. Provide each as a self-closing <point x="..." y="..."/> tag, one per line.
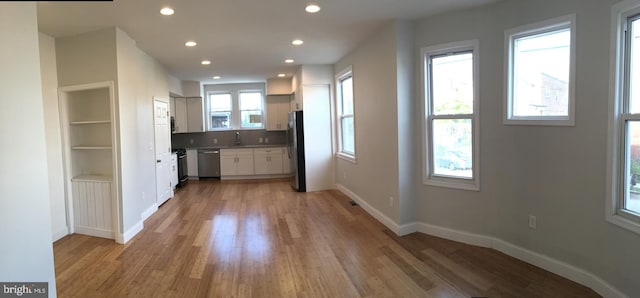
<point x="261" y="239"/>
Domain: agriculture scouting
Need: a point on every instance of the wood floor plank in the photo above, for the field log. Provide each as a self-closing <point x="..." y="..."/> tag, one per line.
<point x="261" y="239"/>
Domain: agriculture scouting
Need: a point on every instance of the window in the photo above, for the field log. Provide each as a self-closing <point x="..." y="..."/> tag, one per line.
<point x="346" y="130"/>
<point x="220" y="111"/>
<point x="623" y="204"/>
<point x="451" y="115"/>
<point x="235" y="109"/>
<point x="251" y="109"/>
<point x="540" y="73"/>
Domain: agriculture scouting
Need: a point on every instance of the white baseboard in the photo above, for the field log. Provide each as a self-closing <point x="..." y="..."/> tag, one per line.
<point x="130" y="233"/>
<point x="563" y="269"/>
<point x="59" y="234"/>
<point x="94" y="232"/>
<point x="150" y="211"/>
<point x="388" y="222"/>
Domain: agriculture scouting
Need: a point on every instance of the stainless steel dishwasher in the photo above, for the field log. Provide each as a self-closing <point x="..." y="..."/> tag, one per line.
<point x="209" y="163"/>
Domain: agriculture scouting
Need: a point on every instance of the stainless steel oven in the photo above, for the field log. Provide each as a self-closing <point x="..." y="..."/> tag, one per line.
<point x="183" y="170"/>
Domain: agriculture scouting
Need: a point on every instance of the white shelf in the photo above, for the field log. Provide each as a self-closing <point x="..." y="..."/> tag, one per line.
<point x="92" y="178"/>
<point x="90" y="122"/>
<point x="91" y="147"/>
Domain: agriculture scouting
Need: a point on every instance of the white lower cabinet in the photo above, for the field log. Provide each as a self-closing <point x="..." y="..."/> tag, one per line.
<point x="257" y="161"/>
<point x="268" y="161"/>
<point x="192" y="162"/>
<point x="236" y="162"/>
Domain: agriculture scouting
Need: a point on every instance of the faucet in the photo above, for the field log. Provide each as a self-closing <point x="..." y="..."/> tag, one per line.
<point x="237" y="138"/>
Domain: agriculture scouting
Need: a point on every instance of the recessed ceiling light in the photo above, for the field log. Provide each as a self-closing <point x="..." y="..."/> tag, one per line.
<point x="216" y="77"/>
<point x="190" y="43"/>
<point x="166" y="11"/>
<point x="205" y="62"/>
<point x="281" y="75"/>
<point x="312" y="8"/>
<point x="297" y="42"/>
<point x="289" y="61"/>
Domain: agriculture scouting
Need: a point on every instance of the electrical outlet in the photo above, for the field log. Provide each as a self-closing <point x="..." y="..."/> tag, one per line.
<point x="260" y="140"/>
<point x="215" y="141"/>
<point x="266" y="140"/>
<point x="532" y="221"/>
<point x="390" y="201"/>
<point x="191" y="141"/>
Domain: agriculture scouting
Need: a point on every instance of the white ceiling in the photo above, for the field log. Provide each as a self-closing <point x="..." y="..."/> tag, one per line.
<point x="246" y="40"/>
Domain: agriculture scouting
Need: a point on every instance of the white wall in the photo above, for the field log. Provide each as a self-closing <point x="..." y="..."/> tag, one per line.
<point x="53" y="136"/>
<point x="175" y="85"/>
<point x="26" y="253"/>
<point x="191" y="88"/>
<point x="555" y="173"/>
<point x="375" y="176"/>
<point x="111" y="55"/>
<point x="140" y="78"/>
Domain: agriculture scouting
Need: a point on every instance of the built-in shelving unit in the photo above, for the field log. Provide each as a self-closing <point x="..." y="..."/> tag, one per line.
<point x="87" y="113"/>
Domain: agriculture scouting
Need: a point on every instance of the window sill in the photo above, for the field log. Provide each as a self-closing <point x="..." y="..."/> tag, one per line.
<point x="346" y="157"/>
<point x="455" y="183"/>
<point x="624" y="222"/>
<point x="540" y="121"/>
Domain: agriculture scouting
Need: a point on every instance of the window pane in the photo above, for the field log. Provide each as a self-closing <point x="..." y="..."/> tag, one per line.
<point x="347" y="96"/>
<point x="452" y="147"/>
<point x="251" y="119"/>
<point x="452" y="84"/>
<point x="632" y="197"/>
<point x="541" y="74"/>
<point x="348" y="141"/>
<point x="220" y="102"/>
<point x="250" y="101"/>
<point x="220" y="120"/>
<point x="634" y="69"/>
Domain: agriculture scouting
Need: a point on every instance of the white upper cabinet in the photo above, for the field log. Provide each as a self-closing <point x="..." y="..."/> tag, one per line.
<point x="277" y="112"/>
<point x="195" y="117"/>
<point x="189" y="115"/>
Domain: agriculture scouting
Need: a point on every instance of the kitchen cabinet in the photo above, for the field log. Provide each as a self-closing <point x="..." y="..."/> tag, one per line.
<point x="195" y="116"/>
<point x="277" y="112"/>
<point x="236" y="162"/>
<point x="268" y="161"/>
<point x="189" y="115"/>
<point x="192" y="162"/>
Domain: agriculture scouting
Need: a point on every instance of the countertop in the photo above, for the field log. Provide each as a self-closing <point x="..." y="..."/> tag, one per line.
<point x="237" y="146"/>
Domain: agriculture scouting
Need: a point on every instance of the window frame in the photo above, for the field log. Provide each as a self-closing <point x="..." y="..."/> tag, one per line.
<point x="262" y="110"/>
<point x="236" y="113"/>
<point x="551" y="25"/>
<point x="617" y="154"/>
<point x="429" y="178"/>
<point x="341" y="153"/>
<point x="209" y="128"/>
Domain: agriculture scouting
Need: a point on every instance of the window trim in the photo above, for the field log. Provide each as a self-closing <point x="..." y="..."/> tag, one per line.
<point x="428" y="178"/>
<point x="208" y="106"/>
<point x="263" y="126"/>
<point x="563" y="22"/>
<point x="236" y="119"/>
<point x="340" y="153"/>
<point x="617" y="138"/>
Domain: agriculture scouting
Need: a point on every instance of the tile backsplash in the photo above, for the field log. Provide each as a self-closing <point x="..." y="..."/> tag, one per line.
<point x="227" y="138"/>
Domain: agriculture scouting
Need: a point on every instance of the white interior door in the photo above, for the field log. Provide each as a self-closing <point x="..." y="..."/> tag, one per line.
<point x="163" y="151"/>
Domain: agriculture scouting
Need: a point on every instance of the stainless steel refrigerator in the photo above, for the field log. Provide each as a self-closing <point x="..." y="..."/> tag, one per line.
<point x="295" y="149"/>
